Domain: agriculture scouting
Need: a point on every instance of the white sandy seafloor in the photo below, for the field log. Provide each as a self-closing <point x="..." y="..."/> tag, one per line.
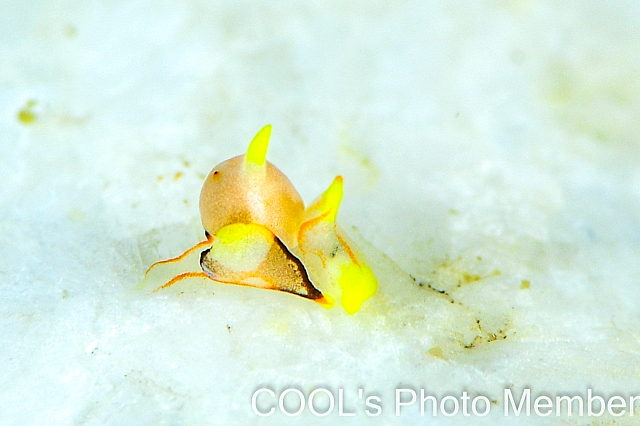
<point x="491" y="157"/>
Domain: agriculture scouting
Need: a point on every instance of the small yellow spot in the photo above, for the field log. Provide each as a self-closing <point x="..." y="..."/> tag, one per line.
<point x="469" y="278"/>
<point x="70" y="31"/>
<point x="76" y="215"/>
<point x="178" y="175"/>
<point x="436" y="352"/>
<point x="186" y="202"/>
<point x="479" y="258"/>
<point x="525" y="285"/>
<point x="160" y="178"/>
<point x="278" y="328"/>
<point x="26" y="116"/>
<point x="355" y="154"/>
<point x="453" y="212"/>
<point x="496" y="273"/>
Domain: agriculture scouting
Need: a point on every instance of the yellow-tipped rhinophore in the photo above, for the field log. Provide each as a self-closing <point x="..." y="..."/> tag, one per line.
<point x="257" y="152"/>
<point x="323" y="210"/>
<point x="329" y="202"/>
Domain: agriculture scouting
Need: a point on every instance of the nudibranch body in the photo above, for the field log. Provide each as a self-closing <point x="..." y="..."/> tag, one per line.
<point x="259" y="234"/>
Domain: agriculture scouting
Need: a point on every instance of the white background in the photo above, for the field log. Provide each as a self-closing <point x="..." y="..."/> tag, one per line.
<point x="484" y="145"/>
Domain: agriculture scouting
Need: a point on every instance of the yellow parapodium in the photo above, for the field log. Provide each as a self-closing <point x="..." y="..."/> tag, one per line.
<point x="358" y="284"/>
<point x="257" y="152"/>
<point x="344" y="263"/>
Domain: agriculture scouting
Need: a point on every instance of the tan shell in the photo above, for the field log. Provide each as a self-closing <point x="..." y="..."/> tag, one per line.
<point x="235" y="193"/>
